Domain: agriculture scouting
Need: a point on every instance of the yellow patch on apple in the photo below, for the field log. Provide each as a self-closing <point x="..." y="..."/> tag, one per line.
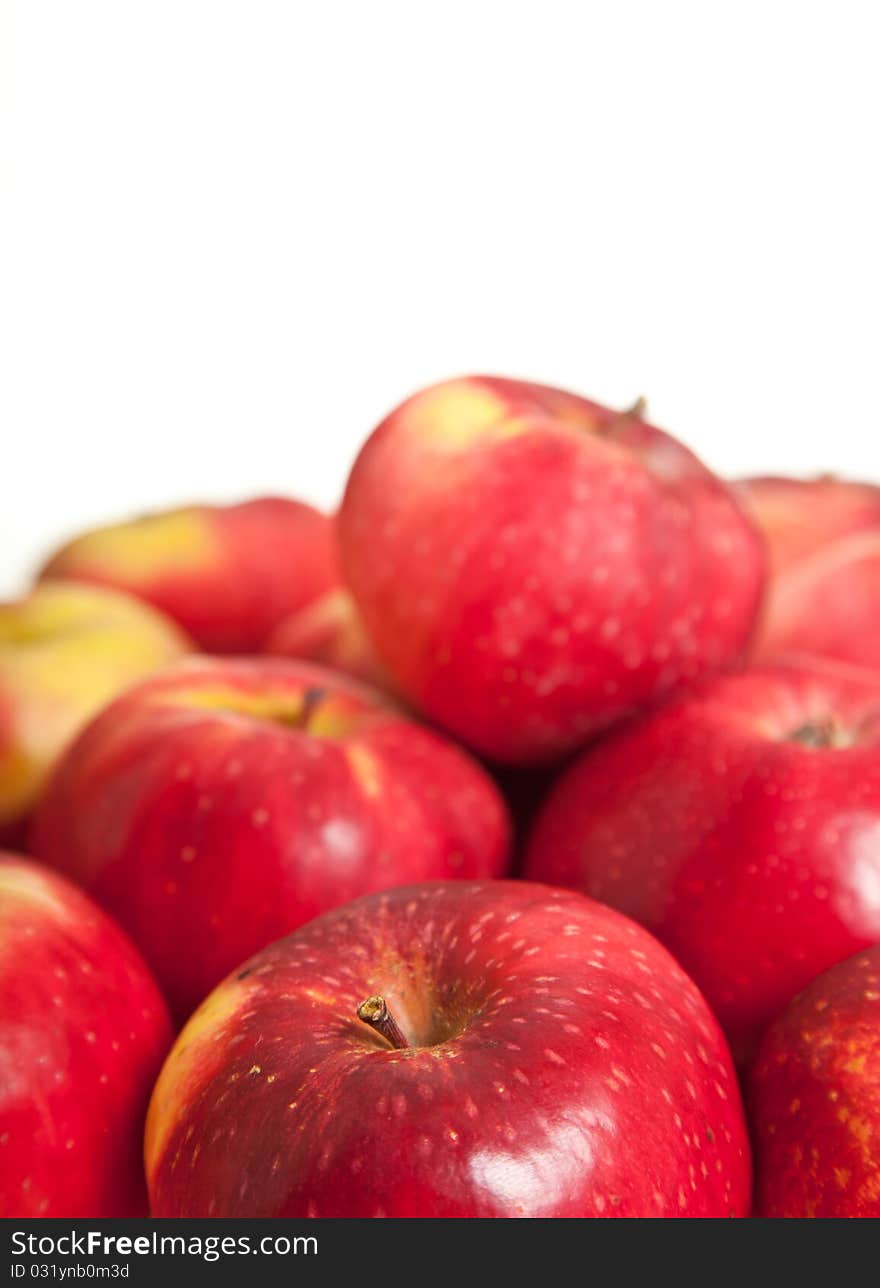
<point x="180" y="541"/>
<point x="22" y="883"/>
<point x="203" y="1030"/>
<point x="452" y="416"/>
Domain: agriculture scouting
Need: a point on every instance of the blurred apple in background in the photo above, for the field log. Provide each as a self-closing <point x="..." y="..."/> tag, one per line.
<point x="533" y="567"/>
<point x="741" y="825"/>
<point x="823" y="538"/>
<point x="801" y="516"/>
<point x="815" y="1099"/>
<point x="83" y="1032"/>
<point x="65" y="650"/>
<point x="452" y="1049"/>
<point x="330" y="631"/>
<point x="227" y="573"/>
<point x="227" y="801"/>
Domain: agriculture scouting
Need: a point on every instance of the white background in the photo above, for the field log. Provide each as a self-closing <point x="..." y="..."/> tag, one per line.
<point x="233" y="234"/>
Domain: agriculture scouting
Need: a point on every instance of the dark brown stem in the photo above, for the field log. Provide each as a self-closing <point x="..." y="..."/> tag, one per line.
<point x="298" y="716"/>
<point x="312" y="699"/>
<point x="374" y="1011"/>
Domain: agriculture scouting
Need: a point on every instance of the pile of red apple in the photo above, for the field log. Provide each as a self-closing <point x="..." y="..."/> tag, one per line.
<point x="506" y="845"/>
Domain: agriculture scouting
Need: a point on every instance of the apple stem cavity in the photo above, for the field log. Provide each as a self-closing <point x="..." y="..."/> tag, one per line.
<point x="374" y="1012"/>
<point x="820" y="734"/>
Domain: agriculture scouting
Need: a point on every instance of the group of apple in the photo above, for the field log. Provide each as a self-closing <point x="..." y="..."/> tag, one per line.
<point x="507" y="844"/>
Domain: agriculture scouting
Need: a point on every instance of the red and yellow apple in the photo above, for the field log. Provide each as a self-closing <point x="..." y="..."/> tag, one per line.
<point x="533" y="567"/>
<point x="228" y="574"/>
<point x="814" y="1097"/>
<point x="330" y="631"/>
<point x="226" y="801"/>
<point x="823" y="597"/>
<point x="83" y="1032"/>
<point x="65" y="650"/>
<point x="741" y="825"/>
<point x="452" y="1049"/>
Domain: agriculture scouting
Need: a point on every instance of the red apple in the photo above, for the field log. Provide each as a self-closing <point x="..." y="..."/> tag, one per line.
<point x="65" y="650"/>
<point x="532" y="567"/>
<point x="800" y="517"/>
<point x="330" y="631"/>
<point x="522" y="1052"/>
<point x="815" y="1098"/>
<point x="227" y="801"/>
<point x="740" y="824"/>
<point x="824" y="594"/>
<point x="227" y="573"/>
<point x="827" y="606"/>
<point x="83" y="1032"/>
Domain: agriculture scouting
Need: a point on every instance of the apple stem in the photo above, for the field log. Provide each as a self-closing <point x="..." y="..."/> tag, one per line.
<point x="311" y="699"/>
<point x="303" y="712"/>
<point x="622" y="421"/>
<point x="637" y="410"/>
<point x="374" y="1011"/>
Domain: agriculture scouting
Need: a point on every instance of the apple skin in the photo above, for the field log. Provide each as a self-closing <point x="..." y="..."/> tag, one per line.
<point x="228" y="574"/>
<point x="799" y="517"/>
<point x="754" y="858"/>
<point x="823" y="539"/>
<point x="83" y="1033"/>
<point x="561" y="1064"/>
<point x="533" y="567"/>
<point x="65" y="650"/>
<point x="814" y="1097"/>
<point x="330" y="631"/>
<point x="827" y="606"/>
<point x="226" y="801"/>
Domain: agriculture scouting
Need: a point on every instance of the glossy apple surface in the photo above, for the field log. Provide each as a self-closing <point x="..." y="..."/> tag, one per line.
<point x="83" y="1032"/>
<point x="533" y="567"/>
<point x="823" y="597"/>
<point x="65" y="650"/>
<point x="226" y="801"/>
<point x="558" y="1063"/>
<point x="815" y="1099"/>
<point x="227" y="573"/>
<point x="741" y="825"/>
